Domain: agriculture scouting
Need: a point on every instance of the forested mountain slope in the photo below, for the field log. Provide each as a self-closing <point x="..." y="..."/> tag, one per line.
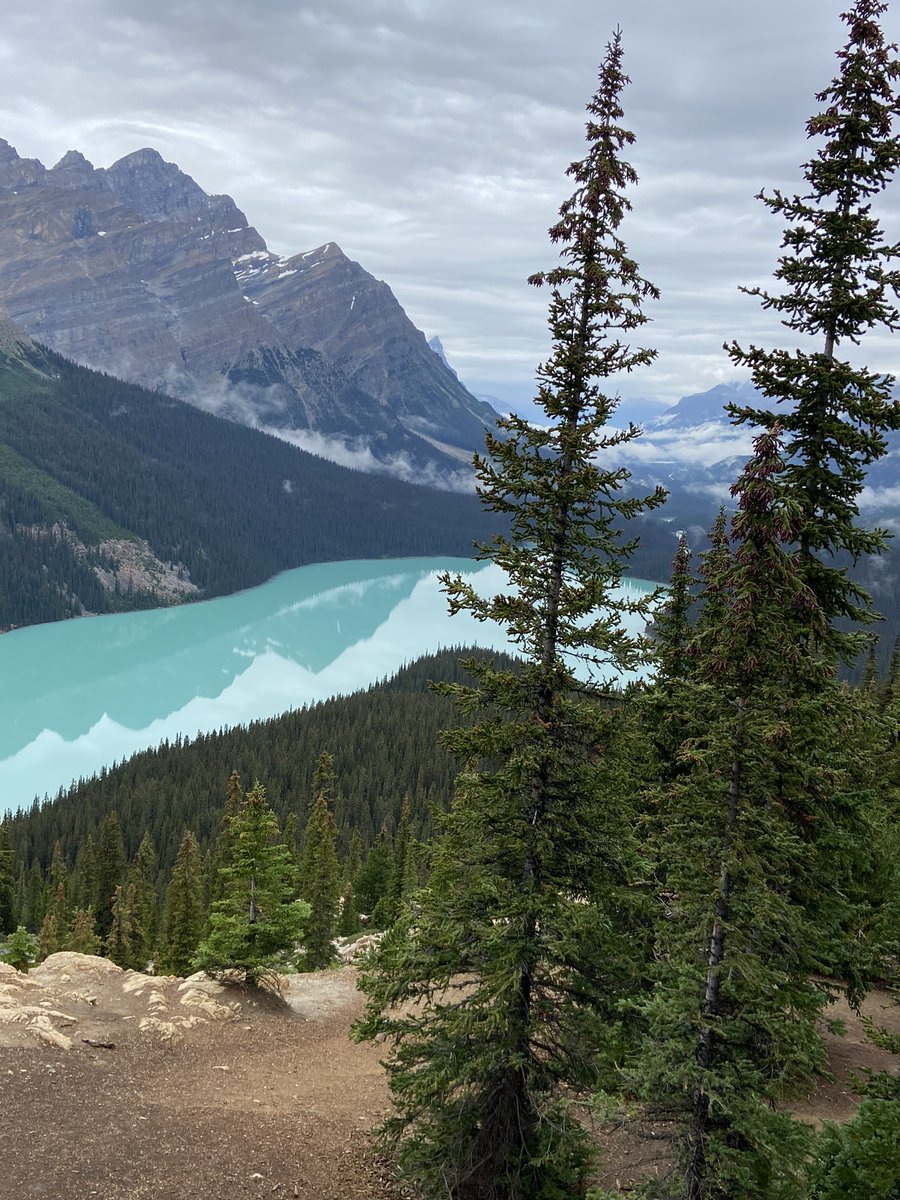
<point x="115" y="497"/>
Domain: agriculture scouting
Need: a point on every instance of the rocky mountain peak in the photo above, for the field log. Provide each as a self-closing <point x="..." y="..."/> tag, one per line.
<point x="73" y="171"/>
<point x="135" y="270"/>
<point x="73" y="159"/>
<point x="146" y="183"/>
<point x="16" y="172"/>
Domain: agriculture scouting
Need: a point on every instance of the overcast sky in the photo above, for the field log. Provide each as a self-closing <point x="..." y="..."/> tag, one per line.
<point x="429" y="138"/>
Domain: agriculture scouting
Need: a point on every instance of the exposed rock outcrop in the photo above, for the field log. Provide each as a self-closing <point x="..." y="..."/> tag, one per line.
<point x="74" y="998"/>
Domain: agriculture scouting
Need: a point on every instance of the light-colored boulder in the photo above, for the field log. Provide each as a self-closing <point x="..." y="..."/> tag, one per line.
<point x="195" y="998"/>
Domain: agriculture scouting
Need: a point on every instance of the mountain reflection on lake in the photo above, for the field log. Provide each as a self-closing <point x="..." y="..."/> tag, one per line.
<point x="76" y="696"/>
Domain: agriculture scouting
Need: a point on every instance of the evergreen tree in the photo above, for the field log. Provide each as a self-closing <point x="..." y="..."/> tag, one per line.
<point x="349" y="923"/>
<point x="59" y="910"/>
<point x="8" y="912"/>
<point x="234" y="802"/>
<point x="499" y="991"/>
<point x="320" y="880"/>
<point x="82" y="938"/>
<point x="402" y="879"/>
<point x="354" y="858"/>
<point x="839" y="281"/>
<point x="34" y="901"/>
<point x="83" y="885"/>
<point x="111" y="866"/>
<point x="183" y="913"/>
<point x="289" y="837"/>
<point x="145" y="904"/>
<point x="58" y="903"/>
<point x="671" y="620"/>
<point x="372" y="879"/>
<point x="21" y="889"/>
<point x="661" y="714"/>
<point x="324" y="780"/>
<point x="124" y="940"/>
<point x="256" y="923"/>
<point x="50" y="938"/>
<point x="733" y="1014"/>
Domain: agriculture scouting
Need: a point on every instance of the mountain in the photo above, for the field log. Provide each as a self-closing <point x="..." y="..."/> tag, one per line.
<point x="697" y="452"/>
<point x="134" y="270"/>
<point x="113" y="497"/>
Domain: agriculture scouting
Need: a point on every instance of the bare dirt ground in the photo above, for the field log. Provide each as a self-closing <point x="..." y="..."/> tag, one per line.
<point x="187" y="1089"/>
<point x="275" y="1101"/>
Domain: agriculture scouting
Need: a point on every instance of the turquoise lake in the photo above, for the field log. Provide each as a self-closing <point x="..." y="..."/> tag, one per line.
<point x="79" y="695"/>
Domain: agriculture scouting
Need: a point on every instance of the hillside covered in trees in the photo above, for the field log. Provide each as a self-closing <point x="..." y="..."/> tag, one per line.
<point x="88" y="462"/>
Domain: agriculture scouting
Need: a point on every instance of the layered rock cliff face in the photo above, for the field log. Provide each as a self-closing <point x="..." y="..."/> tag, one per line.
<point x="136" y="271"/>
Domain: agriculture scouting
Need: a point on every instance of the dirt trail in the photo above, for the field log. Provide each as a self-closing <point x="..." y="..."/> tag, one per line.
<point x="276" y="1102"/>
<point x="194" y="1090"/>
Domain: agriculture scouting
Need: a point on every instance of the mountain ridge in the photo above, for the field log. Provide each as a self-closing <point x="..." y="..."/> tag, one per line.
<point x="134" y="270"/>
<point x="114" y="497"/>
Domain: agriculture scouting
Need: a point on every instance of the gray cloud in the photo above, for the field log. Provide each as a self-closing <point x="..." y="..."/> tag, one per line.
<point x="357" y="454"/>
<point x="430" y="140"/>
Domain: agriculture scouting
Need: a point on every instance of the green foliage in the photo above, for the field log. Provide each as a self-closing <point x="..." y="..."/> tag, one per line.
<point x="54" y="503"/>
<point x="320" y="880"/>
<point x="50" y="939"/>
<point x="768" y="814"/>
<point x="374" y="876"/>
<point x="184" y="913"/>
<point x="839" y="281"/>
<point x="255" y="925"/>
<point x="206" y="494"/>
<point x="32" y="902"/>
<point x="8" y="911"/>
<point x="733" y="1014"/>
<point x="401" y="881"/>
<point x="496" y="990"/>
<point x="142" y="877"/>
<point x="82" y="938"/>
<point x="125" y="940"/>
<point x="861" y="1159"/>
<point x="22" y="950"/>
<point x="671" y="626"/>
<point x="110" y="867"/>
<point x="384" y="747"/>
<point x="349" y="923"/>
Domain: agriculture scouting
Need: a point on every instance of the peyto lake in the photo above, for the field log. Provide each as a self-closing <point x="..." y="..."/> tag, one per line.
<point x="80" y="695"/>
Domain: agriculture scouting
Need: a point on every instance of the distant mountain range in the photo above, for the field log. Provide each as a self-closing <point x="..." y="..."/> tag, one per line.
<point x="134" y="270"/>
<point x="695" y="451"/>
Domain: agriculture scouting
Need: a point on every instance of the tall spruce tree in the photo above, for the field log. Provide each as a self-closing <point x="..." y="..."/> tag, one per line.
<point x="142" y="877"/>
<point x="184" y="916"/>
<point x="839" y="281"/>
<point x="111" y="866"/>
<point x="82" y="939"/>
<point x="512" y="960"/>
<point x="733" y="1016"/>
<point x="320" y="876"/>
<point x="8" y="911"/>
<point x="256" y="922"/>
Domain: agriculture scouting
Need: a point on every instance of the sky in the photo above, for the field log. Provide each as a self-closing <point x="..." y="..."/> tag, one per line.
<point x="430" y="138"/>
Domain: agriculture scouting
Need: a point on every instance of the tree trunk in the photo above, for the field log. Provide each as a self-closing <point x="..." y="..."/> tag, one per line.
<point x="695" y="1170"/>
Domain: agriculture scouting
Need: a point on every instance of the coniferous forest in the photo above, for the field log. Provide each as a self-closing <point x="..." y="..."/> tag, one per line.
<point x="228" y="506"/>
<point x="635" y="902"/>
